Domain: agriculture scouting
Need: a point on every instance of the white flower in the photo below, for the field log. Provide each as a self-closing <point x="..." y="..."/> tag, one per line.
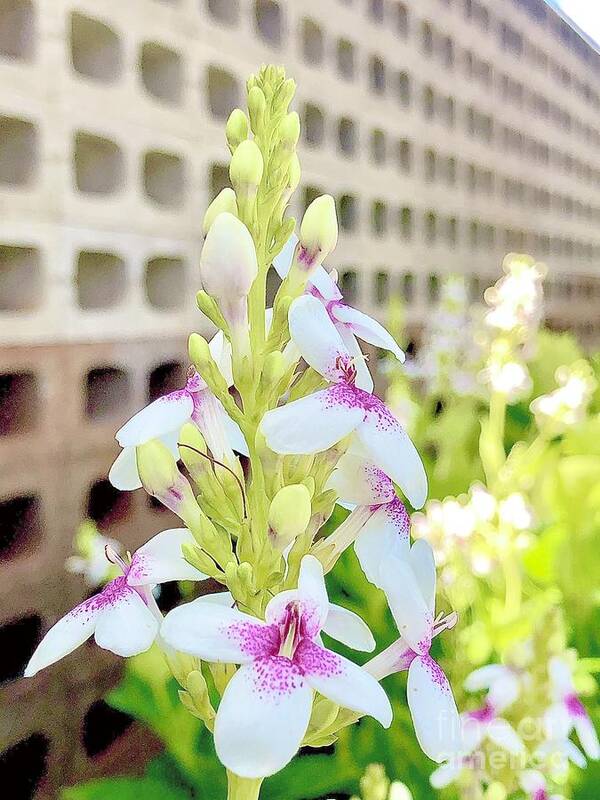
<point x="91" y="560"/>
<point x="566" y="405"/>
<point x="357" y="480"/>
<point x="349" y="322"/>
<point x="266" y="707"/>
<point x="502" y="682"/>
<point x="536" y="786"/>
<point x="567" y="712"/>
<point x="516" y="299"/>
<point x="510" y="378"/>
<point x="320" y="420"/>
<point x="409" y="585"/>
<point x="516" y="512"/>
<point x="123" y="617"/>
<point x="163" y="419"/>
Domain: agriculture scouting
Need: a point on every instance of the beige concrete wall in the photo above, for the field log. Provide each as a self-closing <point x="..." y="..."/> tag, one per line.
<point x="487" y="139"/>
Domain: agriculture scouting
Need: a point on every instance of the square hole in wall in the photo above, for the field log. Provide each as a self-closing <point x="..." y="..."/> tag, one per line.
<point x="164" y="282"/>
<point x="218" y="178"/>
<point x="225" y="11"/>
<point x="165" y="378"/>
<point x="18" y="639"/>
<point x="99" y="164"/>
<point x="23" y="766"/>
<point x="95" y="49"/>
<point x="106" y="392"/>
<point x="20" y="525"/>
<point x="102" y="726"/>
<point x="107" y="505"/>
<point x="19" y="393"/>
<point x="18" y="151"/>
<point x="223" y="92"/>
<point x="100" y="279"/>
<point x="161" y="72"/>
<point x="20" y="278"/>
<point x="17" y="29"/>
<point x="269" y="21"/>
<point x="164" y="178"/>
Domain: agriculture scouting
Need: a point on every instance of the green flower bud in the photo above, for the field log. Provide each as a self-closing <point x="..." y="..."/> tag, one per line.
<point x="237" y="128"/>
<point x="289" y="130"/>
<point x="224" y="201"/>
<point x="257" y="106"/>
<point x="289" y="514"/>
<point x="199" y="351"/>
<point x="246" y="168"/>
<point x="318" y="233"/>
<point x="294" y="174"/>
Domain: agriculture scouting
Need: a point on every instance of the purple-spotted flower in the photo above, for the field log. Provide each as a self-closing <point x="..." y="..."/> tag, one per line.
<point x="266" y="707"/>
<point x="320" y="420"/>
<point x="409" y="585"/>
<point x="123" y="617"/>
<point x="486" y="723"/>
<point x="382" y="521"/>
<point x="567" y="712"/>
<point x="535" y="785"/>
<point x="503" y="684"/>
<point x="163" y="419"/>
<point x="349" y="322"/>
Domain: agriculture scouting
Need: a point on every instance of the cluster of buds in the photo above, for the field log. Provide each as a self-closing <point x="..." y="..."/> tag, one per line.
<point x="375" y="785"/>
<point x="277" y="422"/>
<point x="567" y="405"/>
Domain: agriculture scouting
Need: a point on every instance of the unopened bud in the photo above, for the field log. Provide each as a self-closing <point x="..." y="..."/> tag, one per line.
<point x="257" y="105"/>
<point x="246" y="168"/>
<point x="228" y="263"/>
<point x="289" y="514"/>
<point x="289" y="130"/>
<point x="294" y="174"/>
<point x="287" y="92"/>
<point x="224" y="201"/>
<point x="318" y="233"/>
<point x="237" y="128"/>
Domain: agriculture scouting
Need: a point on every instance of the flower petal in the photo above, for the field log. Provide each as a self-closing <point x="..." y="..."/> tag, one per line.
<point x="167" y="414"/>
<point x="324" y="284"/>
<point x="311" y="587"/>
<point x="217" y="633"/>
<point x="385" y="534"/>
<point x="532" y="781"/>
<point x="338" y="679"/>
<point x="391" y="449"/>
<point x="484" y="677"/>
<point x="407" y="604"/>
<point x="446" y="774"/>
<point x="65" y="636"/>
<point x="433" y="710"/>
<point x="504" y="735"/>
<point x="588" y="737"/>
<point x="124" y="472"/>
<point x="349" y="629"/>
<point x="283" y="260"/>
<point x="561" y="676"/>
<point x="422" y="561"/>
<point x="220" y="350"/>
<point x="125" y="624"/>
<point x="317" y="338"/>
<point x="557" y="722"/>
<point x="263" y="717"/>
<point x="366" y="328"/>
<point x="311" y="424"/>
<point x="363" y="376"/>
<point x="358" y="480"/>
<point x="234" y="435"/>
<point x="161" y="560"/>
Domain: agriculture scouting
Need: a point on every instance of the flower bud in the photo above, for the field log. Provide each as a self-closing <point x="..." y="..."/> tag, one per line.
<point x="289" y="130"/>
<point x="318" y="232"/>
<point x="224" y="201"/>
<point x="289" y="514"/>
<point x="257" y="105"/>
<point x="237" y="128"/>
<point x="228" y="263"/>
<point x="246" y="169"/>
<point x="294" y="174"/>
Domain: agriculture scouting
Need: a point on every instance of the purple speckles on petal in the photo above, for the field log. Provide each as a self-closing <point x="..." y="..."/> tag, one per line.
<point x="257" y="641"/>
<point x="574" y="706"/>
<point x="341" y="394"/>
<point x="315" y="660"/>
<point x="379" y="483"/>
<point x="484" y="714"/>
<point x="139" y="570"/>
<point x="275" y="677"/>
<point x="436" y="673"/>
<point x="398" y="516"/>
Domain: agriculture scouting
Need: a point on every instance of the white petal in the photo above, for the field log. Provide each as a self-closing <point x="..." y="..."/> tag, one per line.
<point x="316" y="337"/>
<point x="504" y="735"/>
<point x="263" y="717"/>
<point x="283" y="260"/>
<point x="391" y="449"/>
<point x="422" y="562"/>
<point x="367" y="329"/>
<point x="588" y="737"/>
<point x="311" y="424"/>
<point x="358" y="480"/>
<point x="311" y="586"/>
<point x="433" y="710"/>
<point x="532" y="781"/>
<point x="504" y="691"/>
<point x="161" y="560"/>
<point x="220" y="350"/>
<point x="560" y="675"/>
<point x="326" y="284"/>
<point x="446" y="774"/>
<point x="473" y="732"/>
<point x="345" y="683"/>
<point x="65" y="636"/>
<point x="484" y="677"/>
<point x="557" y="722"/>
<point x="349" y="629"/>
<point x="124" y="472"/>
<point x="385" y="534"/>
<point x="234" y="435"/>
<point x="125" y="625"/>
<point x="217" y="633"/>
<point x="167" y="414"/>
<point x="363" y="376"/>
<point x="566" y="749"/>
<point x="407" y="604"/>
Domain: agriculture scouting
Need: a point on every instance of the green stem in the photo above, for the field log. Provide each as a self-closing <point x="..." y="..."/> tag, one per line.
<point x="513" y="587"/>
<point x="242" y="788"/>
